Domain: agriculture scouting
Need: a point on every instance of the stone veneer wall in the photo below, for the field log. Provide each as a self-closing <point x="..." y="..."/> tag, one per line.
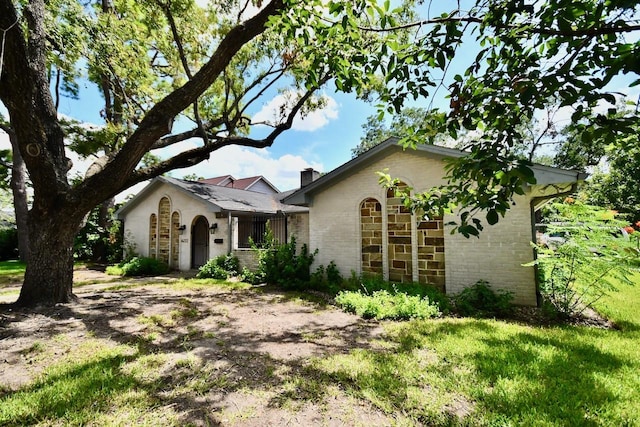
<point x="153" y="235"/>
<point x="400" y="258"/>
<point x="430" y="240"/>
<point x="175" y="240"/>
<point x="371" y="235"/>
<point x="164" y="208"/>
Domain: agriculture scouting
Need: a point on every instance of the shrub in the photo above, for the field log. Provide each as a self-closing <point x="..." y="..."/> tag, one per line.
<point x="370" y="283"/>
<point x="480" y="300"/>
<point x="139" y="266"/>
<point x="252" y="277"/>
<point x="327" y="280"/>
<point x="281" y="264"/>
<point x="8" y="243"/>
<point x="220" y="267"/>
<point x="385" y="305"/>
<point x="594" y="257"/>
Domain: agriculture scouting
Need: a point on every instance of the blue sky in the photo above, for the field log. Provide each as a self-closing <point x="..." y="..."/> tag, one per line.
<point x="323" y="140"/>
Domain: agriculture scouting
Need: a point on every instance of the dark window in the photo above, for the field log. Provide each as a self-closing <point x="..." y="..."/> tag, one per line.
<point x="253" y="228"/>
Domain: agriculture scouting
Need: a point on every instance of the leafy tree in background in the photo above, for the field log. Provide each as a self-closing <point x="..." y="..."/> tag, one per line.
<point x="614" y="183"/>
<point x="402" y="123"/>
<point x="172" y="60"/>
<point x="618" y="188"/>
<point x="527" y="53"/>
<point x="156" y="63"/>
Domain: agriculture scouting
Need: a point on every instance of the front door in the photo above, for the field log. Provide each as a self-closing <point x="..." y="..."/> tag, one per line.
<point x="199" y="242"/>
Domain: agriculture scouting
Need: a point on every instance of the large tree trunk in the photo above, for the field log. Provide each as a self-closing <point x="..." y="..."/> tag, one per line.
<point x="59" y="207"/>
<point x="49" y="275"/>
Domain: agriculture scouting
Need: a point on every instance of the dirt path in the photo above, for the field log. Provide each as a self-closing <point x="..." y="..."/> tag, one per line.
<point x="253" y="345"/>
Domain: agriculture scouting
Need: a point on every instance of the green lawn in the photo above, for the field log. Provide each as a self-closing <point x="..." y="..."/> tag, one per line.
<point x="499" y="373"/>
<point x="11" y="272"/>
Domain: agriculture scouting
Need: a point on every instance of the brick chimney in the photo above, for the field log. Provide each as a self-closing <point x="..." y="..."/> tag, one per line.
<point x="307" y="176"/>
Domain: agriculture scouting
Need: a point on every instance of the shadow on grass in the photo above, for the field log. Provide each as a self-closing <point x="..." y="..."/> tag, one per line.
<point x="181" y="324"/>
<point x="554" y="376"/>
<point x="499" y="374"/>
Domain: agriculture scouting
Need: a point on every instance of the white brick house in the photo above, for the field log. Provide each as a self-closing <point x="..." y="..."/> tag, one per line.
<point x="349" y="218"/>
<point x="186" y="223"/>
<point x="354" y="222"/>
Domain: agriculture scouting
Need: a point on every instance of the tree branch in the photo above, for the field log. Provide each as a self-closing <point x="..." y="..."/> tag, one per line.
<point x="194" y="156"/>
<point x="588" y="32"/>
<point x="159" y="120"/>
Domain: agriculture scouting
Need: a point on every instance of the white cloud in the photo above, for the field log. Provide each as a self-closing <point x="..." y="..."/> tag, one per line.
<point x="241" y="162"/>
<point x="275" y="111"/>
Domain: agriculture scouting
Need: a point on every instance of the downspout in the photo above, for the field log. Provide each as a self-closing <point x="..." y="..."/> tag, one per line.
<point x="532" y="204"/>
<point x="230" y="233"/>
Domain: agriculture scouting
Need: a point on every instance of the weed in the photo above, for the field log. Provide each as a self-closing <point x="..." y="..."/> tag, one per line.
<point x="480" y="300"/>
<point x="385" y="305"/>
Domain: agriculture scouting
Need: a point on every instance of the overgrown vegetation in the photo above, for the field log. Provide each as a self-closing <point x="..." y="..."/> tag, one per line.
<point x="282" y="263"/>
<point x="480" y="300"/>
<point x="8" y="243"/>
<point x="591" y="257"/>
<point x="382" y="305"/>
<point x="101" y="239"/>
<point x="220" y="267"/>
<point x="139" y="266"/>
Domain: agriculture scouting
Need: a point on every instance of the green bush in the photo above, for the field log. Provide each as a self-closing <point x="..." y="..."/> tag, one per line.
<point x="327" y="280"/>
<point x="139" y="266"/>
<point x="252" y="277"/>
<point x="385" y="305"/>
<point x="480" y="300"/>
<point x="220" y="267"/>
<point x="593" y="259"/>
<point x="8" y="243"/>
<point x="281" y="264"/>
<point x="370" y="283"/>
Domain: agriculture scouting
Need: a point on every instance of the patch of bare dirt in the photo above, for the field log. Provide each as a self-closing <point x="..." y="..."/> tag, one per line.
<point x="252" y="346"/>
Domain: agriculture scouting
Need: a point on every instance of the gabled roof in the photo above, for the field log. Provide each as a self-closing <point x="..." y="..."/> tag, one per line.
<point x="545" y="175"/>
<point x="248" y="183"/>
<point x="242" y="183"/>
<point x="218" y="198"/>
<point x="219" y="180"/>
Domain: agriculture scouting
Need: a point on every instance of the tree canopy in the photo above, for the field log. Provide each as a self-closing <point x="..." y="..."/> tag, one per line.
<point x="158" y="61"/>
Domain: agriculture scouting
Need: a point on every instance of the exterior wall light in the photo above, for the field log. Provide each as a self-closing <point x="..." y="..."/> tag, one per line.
<point x="213" y="228"/>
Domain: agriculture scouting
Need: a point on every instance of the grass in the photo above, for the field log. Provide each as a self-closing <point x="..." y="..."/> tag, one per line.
<point x="494" y="372"/>
<point x="439" y="372"/>
<point x="11" y="272"/>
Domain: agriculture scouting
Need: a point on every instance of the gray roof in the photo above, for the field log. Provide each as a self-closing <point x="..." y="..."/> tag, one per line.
<point x="545" y="175"/>
<point x="218" y="198"/>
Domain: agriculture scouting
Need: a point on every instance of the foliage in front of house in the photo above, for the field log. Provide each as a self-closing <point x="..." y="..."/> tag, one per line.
<point x="139" y="266"/>
<point x="480" y="300"/>
<point x="221" y="267"/>
<point x="282" y="263"/>
<point x="592" y="256"/>
<point x="383" y="304"/>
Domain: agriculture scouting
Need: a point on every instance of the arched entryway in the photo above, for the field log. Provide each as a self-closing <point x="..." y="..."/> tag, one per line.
<point x="199" y="242"/>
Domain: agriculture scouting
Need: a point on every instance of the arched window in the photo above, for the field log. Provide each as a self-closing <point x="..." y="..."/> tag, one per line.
<point x="175" y="240"/>
<point x="399" y="238"/>
<point x="371" y="236"/>
<point x="164" y="232"/>
<point x="430" y="243"/>
<point x="153" y="235"/>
